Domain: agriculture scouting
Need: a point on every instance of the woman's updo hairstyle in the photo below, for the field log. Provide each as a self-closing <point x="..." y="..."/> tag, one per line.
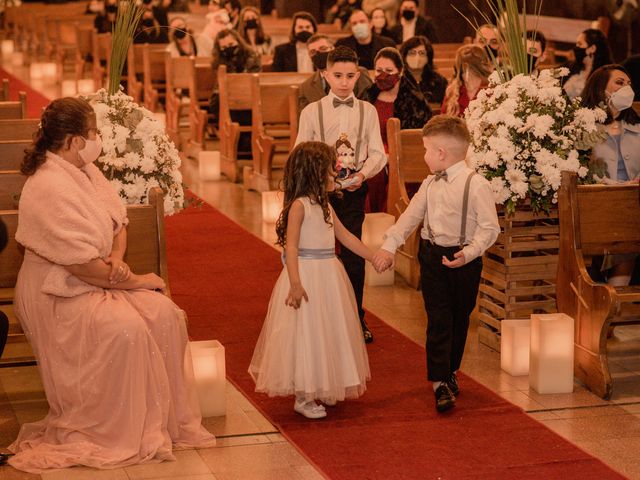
<point x="62" y="119"/>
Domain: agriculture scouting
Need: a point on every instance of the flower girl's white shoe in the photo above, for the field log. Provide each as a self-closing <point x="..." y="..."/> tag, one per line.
<point x="310" y="409"/>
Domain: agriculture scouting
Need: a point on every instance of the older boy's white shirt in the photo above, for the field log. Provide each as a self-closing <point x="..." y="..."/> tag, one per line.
<point x="443" y="200"/>
<point x="344" y="119"/>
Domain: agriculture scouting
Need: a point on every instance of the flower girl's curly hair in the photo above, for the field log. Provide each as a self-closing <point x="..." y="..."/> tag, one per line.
<point x="305" y="175"/>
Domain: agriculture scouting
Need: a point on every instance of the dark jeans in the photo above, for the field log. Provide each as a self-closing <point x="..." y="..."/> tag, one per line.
<point x="449" y="298"/>
<point x="350" y="211"/>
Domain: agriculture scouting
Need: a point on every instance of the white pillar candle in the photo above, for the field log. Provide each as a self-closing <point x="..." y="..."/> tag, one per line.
<point x="210" y="375"/>
<point x="514" y="346"/>
<point x="209" y="165"/>
<point x="551" y="355"/>
<point x="68" y="88"/>
<point x="272" y="205"/>
<point x="373" y="228"/>
<point x="7" y="48"/>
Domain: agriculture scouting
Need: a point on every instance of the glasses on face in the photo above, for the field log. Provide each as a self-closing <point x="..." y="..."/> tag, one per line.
<point x="321" y="49"/>
<point x="417" y="53"/>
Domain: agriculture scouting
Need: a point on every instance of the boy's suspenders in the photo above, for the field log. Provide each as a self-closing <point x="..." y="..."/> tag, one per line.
<point x="360" y="126"/>
<point x="465" y="209"/>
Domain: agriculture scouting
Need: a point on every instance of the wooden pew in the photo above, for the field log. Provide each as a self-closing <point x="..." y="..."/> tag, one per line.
<point x="235" y="94"/>
<point x="14" y="110"/>
<point x="12" y="153"/>
<point x="589" y="226"/>
<point x="11" y="183"/>
<point x="274" y="131"/>
<point x="203" y="83"/>
<point x="406" y="165"/>
<point x="11" y="130"/>
<point x="101" y="43"/>
<point x="146" y="252"/>
<point x="153" y="61"/>
<point x="66" y="40"/>
<point x="4" y="91"/>
<point x="135" y="72"/>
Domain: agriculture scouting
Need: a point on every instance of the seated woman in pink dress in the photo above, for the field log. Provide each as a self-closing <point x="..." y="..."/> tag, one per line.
<point x="112" y="352"/>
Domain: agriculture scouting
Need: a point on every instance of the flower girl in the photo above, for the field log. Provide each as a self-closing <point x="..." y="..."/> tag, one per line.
<point x="311" y="343"/>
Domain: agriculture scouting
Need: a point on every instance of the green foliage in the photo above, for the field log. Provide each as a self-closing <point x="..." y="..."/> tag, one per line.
<point x="129" y="15"/>
<point x="512" y="37"/>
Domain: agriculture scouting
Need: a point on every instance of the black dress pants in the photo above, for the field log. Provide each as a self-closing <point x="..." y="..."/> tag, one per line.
<point x="449" y="298"/>
<point x="350" y="211"/>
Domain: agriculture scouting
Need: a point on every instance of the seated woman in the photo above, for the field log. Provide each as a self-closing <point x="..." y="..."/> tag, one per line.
<point x="293" y="56"/>
<point x="379" y="23"/>
<point x="417" y="54"/>
<point x="393" y="95"/>
<point x="591" y="52"/>
<point x="619" y="154"/>
<point x="183" y="43"/>
<point x="231" y="50"/>
<point x="111" y="349"/>
<point x="471" y="72"/>
<point x="250" y="29"/>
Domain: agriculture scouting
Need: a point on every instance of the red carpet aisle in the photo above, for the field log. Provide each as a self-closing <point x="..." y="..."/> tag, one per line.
<point x="35" y="100"/>
<point x="222" y="276"/>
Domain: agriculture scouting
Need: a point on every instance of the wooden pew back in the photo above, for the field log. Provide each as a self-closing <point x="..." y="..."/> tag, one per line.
<point x="608" y="219"/>
<point x="11" y="183"/>
<point x="155" y="77"/>
<point x="12" y="153"/>
<point x="14" y="110"/>
<point x="4" y="91"/>
<point x="18" y="129"/>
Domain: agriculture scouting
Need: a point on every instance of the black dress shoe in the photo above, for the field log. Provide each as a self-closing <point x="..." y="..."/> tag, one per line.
<point x="366" y="333"/>
<point x="452" y="382"/>
<point x="444" y="398"/>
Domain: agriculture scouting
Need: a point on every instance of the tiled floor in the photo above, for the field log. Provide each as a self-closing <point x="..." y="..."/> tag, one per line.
<point x="249" y="447"/>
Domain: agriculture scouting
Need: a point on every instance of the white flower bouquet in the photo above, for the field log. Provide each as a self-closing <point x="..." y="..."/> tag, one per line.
<point x="137" y="154"/>
<point x="525" y="132"/>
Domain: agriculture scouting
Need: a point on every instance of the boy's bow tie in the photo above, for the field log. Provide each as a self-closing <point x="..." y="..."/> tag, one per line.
<point x="348" y="102"/>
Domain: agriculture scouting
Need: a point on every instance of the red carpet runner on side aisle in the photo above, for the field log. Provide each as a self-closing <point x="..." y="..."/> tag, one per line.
<point x="222" y="276"/>
<point x="35" y="100"/>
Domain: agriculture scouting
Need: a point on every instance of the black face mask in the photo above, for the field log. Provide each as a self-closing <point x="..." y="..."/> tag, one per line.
<point x="580" y="54"/>
<point x="251" y="24"/>
<point x="111" y="9"/>
<point x="229" y="52"/>
<point x="303" y="36"/>
<point x="491" y="51"/>
<point x="319" y="60"/>
<point x="408" y="14"/>
<point x="179" y="34"/>
<point x="148" y="22"/>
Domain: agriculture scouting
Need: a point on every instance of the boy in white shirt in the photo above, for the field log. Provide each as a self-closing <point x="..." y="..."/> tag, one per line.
<point x="459" y="222"/>
<point x="352" y="126"/>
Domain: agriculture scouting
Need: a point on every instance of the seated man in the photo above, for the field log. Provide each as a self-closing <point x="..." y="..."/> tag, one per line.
<point x="315" y="87"/>
<point x="412" y="24"/>
<point x="364" y="42"/>
<point x="536" y="50"/>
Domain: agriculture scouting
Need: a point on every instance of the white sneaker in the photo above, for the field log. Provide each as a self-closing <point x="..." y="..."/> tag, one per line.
<point x="310" y="409"/>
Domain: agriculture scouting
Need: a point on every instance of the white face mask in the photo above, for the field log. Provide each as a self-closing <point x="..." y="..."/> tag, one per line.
<point x="622" y="99"/>
<point x="360" y="30"/>
<point x="416" y="62"/>
<point x="91" y="151"/>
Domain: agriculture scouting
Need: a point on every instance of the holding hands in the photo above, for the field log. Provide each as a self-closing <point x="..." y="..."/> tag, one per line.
<point x="382" y="260"/>
<point x="458" y="260"/>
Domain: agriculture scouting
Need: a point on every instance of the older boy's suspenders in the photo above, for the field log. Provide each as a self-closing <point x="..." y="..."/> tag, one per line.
<point x="360" y="126"/>
<point x="465" y="209"/>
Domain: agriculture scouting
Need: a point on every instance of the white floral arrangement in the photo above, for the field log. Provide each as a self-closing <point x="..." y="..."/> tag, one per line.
<point x="137" y="155"/>
<point x="525" y="132"/>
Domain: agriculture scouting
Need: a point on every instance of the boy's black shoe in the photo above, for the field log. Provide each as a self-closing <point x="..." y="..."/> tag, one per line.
<point x="444" y="398"/>
<point x="366" y="333"/>
<point x="452" y="382"/>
